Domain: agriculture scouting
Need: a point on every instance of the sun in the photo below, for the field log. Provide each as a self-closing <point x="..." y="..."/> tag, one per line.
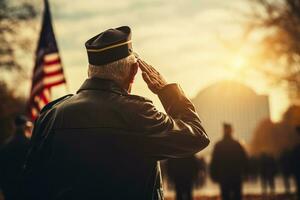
<point x="239" y="62"/>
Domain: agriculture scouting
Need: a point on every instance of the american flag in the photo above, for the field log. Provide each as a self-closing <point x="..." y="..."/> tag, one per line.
<point x="48" y="71"/>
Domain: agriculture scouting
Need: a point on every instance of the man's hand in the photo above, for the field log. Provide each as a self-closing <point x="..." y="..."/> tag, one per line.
<point x="154" y="80"/>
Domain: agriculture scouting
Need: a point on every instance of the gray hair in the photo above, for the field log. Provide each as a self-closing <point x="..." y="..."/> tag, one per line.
<point x="118" y="70"/>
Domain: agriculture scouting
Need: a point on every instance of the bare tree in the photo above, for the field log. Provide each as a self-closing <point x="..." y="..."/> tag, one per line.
<point x="279" y="23"/>
<point x="275" y="138"/>
<point x="12" y="16"/>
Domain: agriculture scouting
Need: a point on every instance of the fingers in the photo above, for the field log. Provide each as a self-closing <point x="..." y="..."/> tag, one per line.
<point x="147" y="78"/>
<point x="148" y="68"/>
<point x="151" y="84"/>
<point x="152" y="77"/>
<point x="151" y="68"/>
<point x="143" y="66"/>
<point x="146" y="73"/>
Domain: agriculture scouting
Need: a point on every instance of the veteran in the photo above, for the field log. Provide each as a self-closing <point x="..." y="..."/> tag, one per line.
<point x="105" y="143"/>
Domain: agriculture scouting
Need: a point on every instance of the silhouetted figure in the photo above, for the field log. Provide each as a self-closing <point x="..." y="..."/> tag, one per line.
<point x="285" y="164"/>
<point x="202" y="173"/>
<point x="183" y="174"/>
<point x="296" y="165"/>
<point x="228" y="165"/>
<point x="252" y="171"/>
<point x="12" y="156"/>
<point x="268" y="169"/>
<point x="296" y="168"/>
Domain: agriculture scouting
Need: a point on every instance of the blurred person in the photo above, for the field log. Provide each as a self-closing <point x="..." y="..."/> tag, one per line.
<point x="184" y="173"/>
<point x="268" y="170"/>
<point x="202" y="173"/>
<point x="252" y="171"/>
<point x="105" y="143"/>
<point x="228" y="165"/>
<point x="285" y="164"/>
<point x="12" y="157"/>
<point x="296" y="168"/>
<point x="296" y="165"/>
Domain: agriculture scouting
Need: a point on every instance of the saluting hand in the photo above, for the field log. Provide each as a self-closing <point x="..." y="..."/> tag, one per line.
<point x="152" y="77"/>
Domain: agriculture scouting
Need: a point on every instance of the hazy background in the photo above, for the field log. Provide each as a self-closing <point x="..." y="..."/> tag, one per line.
<point x="191" y="42"/>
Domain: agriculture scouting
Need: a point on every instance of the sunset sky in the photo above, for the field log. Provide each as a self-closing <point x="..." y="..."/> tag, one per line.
<point x="183" y="39"/>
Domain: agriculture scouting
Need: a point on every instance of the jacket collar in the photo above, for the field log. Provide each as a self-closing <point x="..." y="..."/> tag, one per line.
<point x="102" y="84"/>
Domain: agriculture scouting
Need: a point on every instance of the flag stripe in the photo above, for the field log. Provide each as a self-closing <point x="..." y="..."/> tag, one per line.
<point x="47" y="81"/>
<point x="43" y="97"/>
<point x="40" y="104"/>
<point x="55" y="83"/>
<point x="48" y="70"/>
<point x="33" y="112"/>
<point x="37" y="88"/>
<point x="53" y="79"/>
<point x="51" y="56"/>
<point x="59" y="71"/>
<point x="51" y="62"/>
<point x="51" y="68"/>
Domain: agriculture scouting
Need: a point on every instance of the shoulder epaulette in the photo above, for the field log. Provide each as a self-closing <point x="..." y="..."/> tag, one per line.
<point x="54" y="102"/>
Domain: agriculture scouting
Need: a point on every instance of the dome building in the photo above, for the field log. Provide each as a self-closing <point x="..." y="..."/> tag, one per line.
<point x="232" y="102"/>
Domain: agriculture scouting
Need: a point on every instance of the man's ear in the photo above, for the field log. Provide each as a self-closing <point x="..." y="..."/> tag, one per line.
<point x="133" y="71"/>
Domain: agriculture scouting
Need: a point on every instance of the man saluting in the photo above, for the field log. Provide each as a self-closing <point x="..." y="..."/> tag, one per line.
<point x="103" y="142"/>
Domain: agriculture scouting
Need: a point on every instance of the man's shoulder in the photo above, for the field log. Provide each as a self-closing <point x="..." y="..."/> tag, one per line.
<point x="133" y="100"/>
<point x="137" y="98"/>
<point x="224" y="143"/>
<point x="55" y="102"/>
<point x="237" y="143"/>
<point x="230" y="141"/>
<point x="135" y="103"/>
<point x="47" y="114"/>
<point x="218" y="144"/>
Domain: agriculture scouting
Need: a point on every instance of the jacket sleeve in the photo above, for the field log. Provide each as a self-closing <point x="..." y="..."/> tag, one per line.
<point x="178" y="133"/>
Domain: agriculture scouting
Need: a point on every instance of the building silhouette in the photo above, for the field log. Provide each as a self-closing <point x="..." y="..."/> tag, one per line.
<point x="232" y="102"/>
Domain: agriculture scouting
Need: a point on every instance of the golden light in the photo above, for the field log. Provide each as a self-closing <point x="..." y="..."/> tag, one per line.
<point x="239" y="62"/>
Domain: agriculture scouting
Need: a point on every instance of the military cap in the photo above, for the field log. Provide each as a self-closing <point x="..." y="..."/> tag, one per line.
<point x="109" y="46"/>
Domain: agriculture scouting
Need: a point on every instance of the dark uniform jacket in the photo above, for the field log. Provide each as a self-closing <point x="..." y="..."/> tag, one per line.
<point x="104" y="143"/>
